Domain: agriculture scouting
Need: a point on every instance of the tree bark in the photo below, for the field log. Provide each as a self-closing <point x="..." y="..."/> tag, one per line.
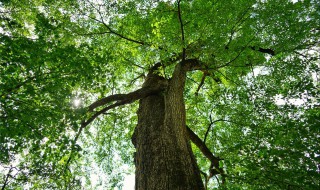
<point x="164" y="159"/>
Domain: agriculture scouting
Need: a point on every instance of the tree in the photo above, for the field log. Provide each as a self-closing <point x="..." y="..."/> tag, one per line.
<point x="239" y="80"/>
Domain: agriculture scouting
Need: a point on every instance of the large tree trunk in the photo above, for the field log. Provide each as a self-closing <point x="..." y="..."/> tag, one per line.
<point x="163" y="158"/>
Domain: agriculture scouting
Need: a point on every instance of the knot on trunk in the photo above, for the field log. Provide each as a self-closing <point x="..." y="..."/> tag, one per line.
<point x="155" y="81"/>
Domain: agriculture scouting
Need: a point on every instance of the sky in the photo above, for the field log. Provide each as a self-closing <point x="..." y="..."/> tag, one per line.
<point x="128" y="183"/>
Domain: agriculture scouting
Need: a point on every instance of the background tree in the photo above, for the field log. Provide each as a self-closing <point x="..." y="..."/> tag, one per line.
<point x="238" y="79"/>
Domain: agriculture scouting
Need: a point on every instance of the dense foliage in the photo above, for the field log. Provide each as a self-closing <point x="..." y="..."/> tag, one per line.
<point x="256" y="106"/>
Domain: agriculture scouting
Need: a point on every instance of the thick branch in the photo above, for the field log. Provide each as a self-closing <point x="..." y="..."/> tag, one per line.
<point x="203" y="147"/>
<point x="108" y="99"/>
<point x="193" y="64"/>
<point x="214" y="167"/>
<point x="263" y="50"/>
<point x="125" y="98"/>
<point x="121" y="99"/>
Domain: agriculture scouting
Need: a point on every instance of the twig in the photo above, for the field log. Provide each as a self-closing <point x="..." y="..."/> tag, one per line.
<point x="5" y="183"/>
<point x="236" y="57"/>
<point x="240" y="21"/>
<point x="111" y="31"/>
<point x="217" y="180"/>
<point x="209" y="127"/>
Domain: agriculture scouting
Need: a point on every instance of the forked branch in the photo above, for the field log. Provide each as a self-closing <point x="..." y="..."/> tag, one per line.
<point x="214" y="167"/>
<point x="119" y="100"/>
<point x="203" y="148"/>
<point x="109" y="29"/>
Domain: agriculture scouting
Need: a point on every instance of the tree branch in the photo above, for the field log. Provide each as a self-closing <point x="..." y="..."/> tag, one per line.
<point x="182" y="31"/>
<point x="263" y="50"/>
<point x="193" y="64"/>
<point x="212" y="122"/>
<point x="214" y="167"/>
<point x="121" y="99"/>
<point x="236" y="57"/>
<point x="109" y="28"/>
<point x="204" y="149"/>
<point x="6" y="181"/>
<point x="111" y="31"/>
<point x="205" y="74"/>
<point x="206" y="179"/>
<point x="238" y="23"/>
<point x="125" y="98"/>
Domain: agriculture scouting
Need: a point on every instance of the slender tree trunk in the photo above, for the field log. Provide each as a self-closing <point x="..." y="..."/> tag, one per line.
<point x="164" y="159"/>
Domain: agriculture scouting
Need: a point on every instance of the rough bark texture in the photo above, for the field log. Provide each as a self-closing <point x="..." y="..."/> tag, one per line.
<point x="164" y="159"/>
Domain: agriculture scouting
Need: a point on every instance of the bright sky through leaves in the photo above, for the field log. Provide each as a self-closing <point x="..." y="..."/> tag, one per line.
<point x="255" y="102"/>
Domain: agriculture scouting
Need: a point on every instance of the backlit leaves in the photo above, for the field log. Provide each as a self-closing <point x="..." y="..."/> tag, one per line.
<point x="259" y="99"/>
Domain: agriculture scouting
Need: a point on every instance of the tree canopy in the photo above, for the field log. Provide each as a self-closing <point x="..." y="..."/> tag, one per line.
<point x="254" y="102"/>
